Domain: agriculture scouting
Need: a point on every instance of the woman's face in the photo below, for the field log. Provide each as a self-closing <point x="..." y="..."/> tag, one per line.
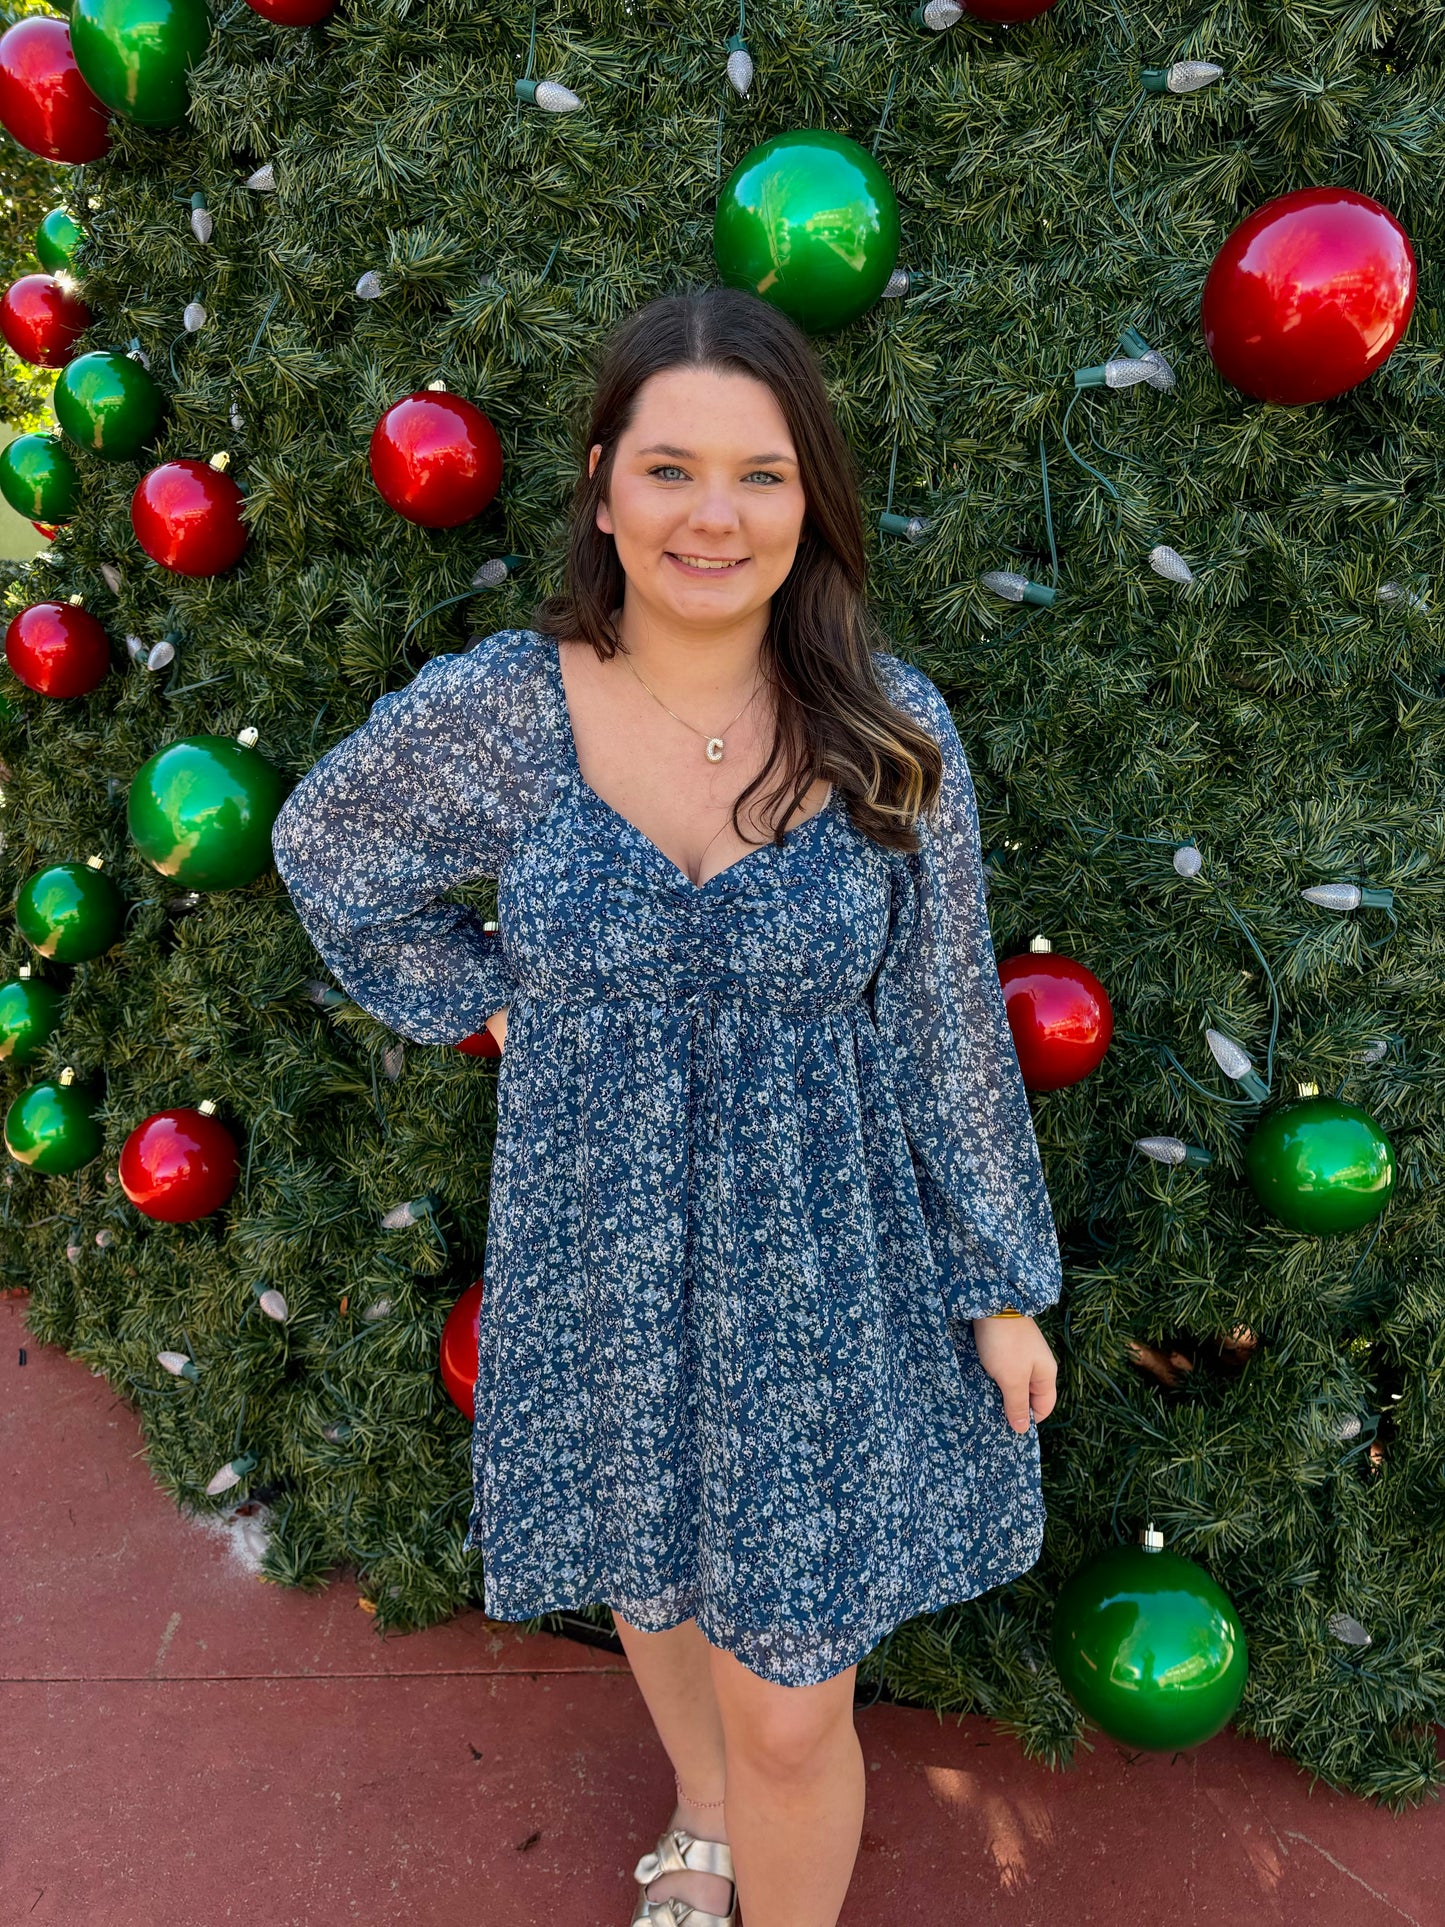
<point x="706" y="472"/>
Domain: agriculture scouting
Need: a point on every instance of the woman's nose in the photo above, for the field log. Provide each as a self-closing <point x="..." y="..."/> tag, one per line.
<point x="716" y="508"/>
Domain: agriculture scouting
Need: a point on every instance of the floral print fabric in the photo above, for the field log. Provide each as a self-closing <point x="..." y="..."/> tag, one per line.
<point x="763" y="1150"/>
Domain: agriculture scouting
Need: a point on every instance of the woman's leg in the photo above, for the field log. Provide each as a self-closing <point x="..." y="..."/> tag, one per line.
<point x="788" y="1760"/>
<point x="674" y="1675"/>
<point x="795" y="1793"/>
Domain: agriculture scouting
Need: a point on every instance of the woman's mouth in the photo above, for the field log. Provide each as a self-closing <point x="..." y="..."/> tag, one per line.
<point x="702" y="565"/>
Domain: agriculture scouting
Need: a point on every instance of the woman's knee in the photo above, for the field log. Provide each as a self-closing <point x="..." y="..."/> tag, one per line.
<point x="781" y="1731"/>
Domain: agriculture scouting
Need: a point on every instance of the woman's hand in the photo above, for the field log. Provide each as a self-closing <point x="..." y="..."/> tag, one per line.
<point x="496" y="1024"/>
<point x="1015" y="1354"/>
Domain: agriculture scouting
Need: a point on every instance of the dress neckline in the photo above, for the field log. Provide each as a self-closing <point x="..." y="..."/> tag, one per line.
<point x="553" y="648"/>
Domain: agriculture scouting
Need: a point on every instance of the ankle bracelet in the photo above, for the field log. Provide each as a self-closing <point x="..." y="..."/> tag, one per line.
<point x="694" y="1803"/>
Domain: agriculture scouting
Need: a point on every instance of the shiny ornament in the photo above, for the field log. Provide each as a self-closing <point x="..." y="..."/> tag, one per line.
<point x="52" y="1127"/>
<point x="1060" y="1016"/>
<point x="57" y="649"/>
<point x="1150" y="1647"/>
<point x="30" y="1013"/>
<point x="459" y="1350"/>
<point x="1322" y="1166"/>
<point x="480" y="1043"/>
<point x="1007" y="13"/>
<point x="178" y="1165"/>
<point x="808" y="221"/>
<point x="137" y="54"/>
<point x="187" y="516"/>
<point x="70" y="912"/>
<point x="293" y="13"/>
<point x="38" y="479"/>
<point x="108" y="403"/>
<point x="201" y="811"/>
<point x="436" y="459"/>
<point x="57" y="242"/>
<point x="42" y="319"/>
<point x="1309" y="295"/>
<point x="48" y="529"/>
<point x="44" y="100"/>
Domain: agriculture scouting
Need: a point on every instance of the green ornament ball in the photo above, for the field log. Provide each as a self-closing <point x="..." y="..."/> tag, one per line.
<point x="1321" y="1166"/>
<point x="53" y="1128"/>
<point x="70" y="912"/>
<point x="38" y="479"/>
<point x="1150" y="1648"/>
<point x="808" y="221"/>
<point x="30" y="1013"/>
<point x="108" y="403"/>
<point x="136" y="55"/>
<point x="57" y="240"/>
<point x="201" y="812"/>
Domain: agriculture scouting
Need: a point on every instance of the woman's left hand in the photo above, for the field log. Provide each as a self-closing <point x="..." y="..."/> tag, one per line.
<point x="1016" y="1356"/>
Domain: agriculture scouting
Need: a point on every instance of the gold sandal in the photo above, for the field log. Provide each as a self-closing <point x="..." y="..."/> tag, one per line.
<point x="679" y="1851"/>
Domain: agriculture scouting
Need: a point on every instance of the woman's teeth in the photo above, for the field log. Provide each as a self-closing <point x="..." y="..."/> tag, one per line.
<point x="702" y="562"/>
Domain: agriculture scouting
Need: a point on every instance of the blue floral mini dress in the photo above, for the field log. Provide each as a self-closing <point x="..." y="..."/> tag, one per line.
<point x="763" y="1151"/>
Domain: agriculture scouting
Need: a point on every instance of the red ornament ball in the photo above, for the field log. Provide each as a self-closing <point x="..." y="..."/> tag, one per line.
<point x="44" y="102"/>
<point x="178" y="1165"/>
<point x="460" y="1347"/>
<point x="480" y="1043"/>
<point x="57" y="649"/>
<point x="48" y="529"/>
<point x="187" y="516"/>
<point x="1006" y="13"/>
<point x="42" y="320"/>
<point x="1309" y="295"/>
<point x="436" y="459"/>
<point x="1060" y="1016"/>
<point x="293" y="13"/>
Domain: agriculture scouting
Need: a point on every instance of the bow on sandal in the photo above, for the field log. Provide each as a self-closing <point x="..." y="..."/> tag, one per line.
<point x="681" y="1852"/>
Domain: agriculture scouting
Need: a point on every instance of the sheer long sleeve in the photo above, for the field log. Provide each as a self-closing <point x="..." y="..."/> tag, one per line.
<point x="404" y="808"/>
<point x="940" y="1014"/>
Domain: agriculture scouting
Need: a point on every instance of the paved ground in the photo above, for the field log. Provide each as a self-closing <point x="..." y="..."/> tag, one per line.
<point x="185" y="1746"/>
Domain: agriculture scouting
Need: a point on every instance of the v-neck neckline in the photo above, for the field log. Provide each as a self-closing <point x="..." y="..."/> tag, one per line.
<point x="553" y="646"/>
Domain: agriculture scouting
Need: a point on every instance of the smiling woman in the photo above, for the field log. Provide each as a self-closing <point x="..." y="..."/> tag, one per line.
<point x="764" y="1171"/>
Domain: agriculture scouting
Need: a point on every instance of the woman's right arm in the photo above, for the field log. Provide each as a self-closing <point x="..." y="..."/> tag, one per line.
<point x="392" y="816"/>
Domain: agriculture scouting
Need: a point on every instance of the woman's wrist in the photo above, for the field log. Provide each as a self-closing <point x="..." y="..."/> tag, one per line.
<point x="1007" y="1312"/>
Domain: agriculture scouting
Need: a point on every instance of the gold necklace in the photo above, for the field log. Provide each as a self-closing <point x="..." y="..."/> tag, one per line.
<point x="714" y="745"/>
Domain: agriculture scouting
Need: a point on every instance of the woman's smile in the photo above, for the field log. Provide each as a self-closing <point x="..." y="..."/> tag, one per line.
<point x="697" y="565"/>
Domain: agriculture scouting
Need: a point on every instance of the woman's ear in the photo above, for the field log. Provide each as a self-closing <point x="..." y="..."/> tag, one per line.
<point x="601" y="520"/>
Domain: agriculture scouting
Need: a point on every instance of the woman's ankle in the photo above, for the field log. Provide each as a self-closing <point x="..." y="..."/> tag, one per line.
<point x="703" y="1822"/>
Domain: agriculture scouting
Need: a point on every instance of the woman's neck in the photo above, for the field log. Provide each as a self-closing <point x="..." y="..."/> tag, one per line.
<point x="698" y="663"/>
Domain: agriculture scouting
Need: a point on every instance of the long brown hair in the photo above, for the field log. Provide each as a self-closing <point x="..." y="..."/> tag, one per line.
<point x="834" y="718"/>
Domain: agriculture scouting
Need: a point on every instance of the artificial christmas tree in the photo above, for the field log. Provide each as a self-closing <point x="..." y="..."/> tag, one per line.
<point x="1196" y="669"/>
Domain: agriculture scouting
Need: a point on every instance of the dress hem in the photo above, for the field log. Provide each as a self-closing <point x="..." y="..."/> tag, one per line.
<point x="758" y="1652"/>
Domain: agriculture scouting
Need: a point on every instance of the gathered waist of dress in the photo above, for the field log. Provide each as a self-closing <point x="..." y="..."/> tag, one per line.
<point x="737" y="993"/>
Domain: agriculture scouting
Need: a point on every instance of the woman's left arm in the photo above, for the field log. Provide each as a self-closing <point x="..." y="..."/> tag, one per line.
<point x="939" y="1009"/>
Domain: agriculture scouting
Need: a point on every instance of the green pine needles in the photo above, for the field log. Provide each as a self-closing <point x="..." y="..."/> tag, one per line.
<point x="1282" y="711"/>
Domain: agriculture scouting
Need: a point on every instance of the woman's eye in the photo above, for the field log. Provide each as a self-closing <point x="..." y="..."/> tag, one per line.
<point x="665" y="468"/>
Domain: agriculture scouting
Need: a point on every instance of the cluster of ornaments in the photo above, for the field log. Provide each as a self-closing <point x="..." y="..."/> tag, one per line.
<point x="200" y="812"/>
<point x="60" y="81"/>
<point x="1320" y="1165"/>
<point x="106" y="402"/>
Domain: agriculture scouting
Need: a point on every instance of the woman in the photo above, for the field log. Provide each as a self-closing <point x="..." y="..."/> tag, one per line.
<point x="766" y="1201"/>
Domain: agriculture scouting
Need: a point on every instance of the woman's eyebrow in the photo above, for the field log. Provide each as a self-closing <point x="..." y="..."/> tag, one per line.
<point x="688" y="455"/>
